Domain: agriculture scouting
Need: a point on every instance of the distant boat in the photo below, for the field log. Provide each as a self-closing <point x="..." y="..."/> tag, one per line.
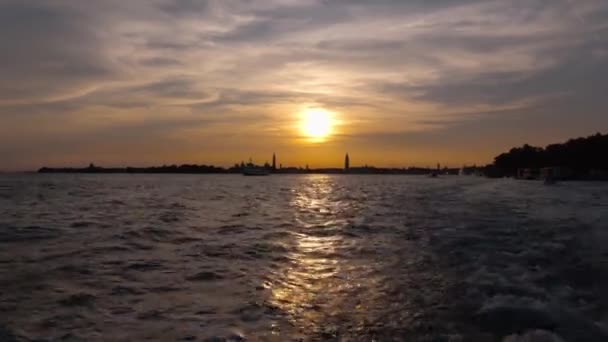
<point x="253" y="170"/>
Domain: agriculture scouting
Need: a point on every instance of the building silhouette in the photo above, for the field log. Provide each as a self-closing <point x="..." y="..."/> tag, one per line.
<point x="346" y="163"/>
<point x="274" y="161"/>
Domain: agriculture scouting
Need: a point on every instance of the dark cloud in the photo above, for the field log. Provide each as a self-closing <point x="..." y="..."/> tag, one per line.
<point x="173" y="88"/>
<point x="251" y="32"/>
<point x="167" y="92"/>
<point x="47" y="51"/>
<point x="185" y="7"/>
<point x="576" y="72"/>
<point x="159" y="62"/>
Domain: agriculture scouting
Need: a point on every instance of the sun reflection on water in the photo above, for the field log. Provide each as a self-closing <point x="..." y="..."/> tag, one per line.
<point x="313" y="272"/>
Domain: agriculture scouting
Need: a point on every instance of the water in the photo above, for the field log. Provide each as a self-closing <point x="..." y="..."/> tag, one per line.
<point x="310" y="257"/>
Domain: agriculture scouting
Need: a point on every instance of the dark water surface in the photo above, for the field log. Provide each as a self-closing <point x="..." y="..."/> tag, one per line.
<point x="280" y="258"/>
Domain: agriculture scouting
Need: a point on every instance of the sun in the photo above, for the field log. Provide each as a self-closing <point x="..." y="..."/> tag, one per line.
<point x="317" y="124"/>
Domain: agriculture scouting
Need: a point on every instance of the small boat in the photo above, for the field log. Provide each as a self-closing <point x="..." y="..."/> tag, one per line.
<point x="253" y="170"/>
<point x="433" y="175"/>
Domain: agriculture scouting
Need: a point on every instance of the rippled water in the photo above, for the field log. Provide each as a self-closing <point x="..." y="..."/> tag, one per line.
<point x="311" y="257"/>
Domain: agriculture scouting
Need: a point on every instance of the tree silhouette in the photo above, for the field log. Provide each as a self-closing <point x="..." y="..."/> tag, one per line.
<point x="581" y="155"/>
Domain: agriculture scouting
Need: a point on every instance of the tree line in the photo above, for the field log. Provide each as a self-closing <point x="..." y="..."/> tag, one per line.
<point x="582" y="156"/>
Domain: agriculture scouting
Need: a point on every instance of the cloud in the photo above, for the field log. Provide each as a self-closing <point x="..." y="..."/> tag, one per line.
<point x="387" y="67"/>
<point x="47" y="52"/>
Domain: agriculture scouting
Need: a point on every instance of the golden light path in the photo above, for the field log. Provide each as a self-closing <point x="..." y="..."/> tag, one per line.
<point x="306" y="285"/>
<point x="321" y="279"/>
<point x="317" y="124"/>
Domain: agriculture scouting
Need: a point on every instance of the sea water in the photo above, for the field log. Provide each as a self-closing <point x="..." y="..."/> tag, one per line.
<point x="301" y="257"/>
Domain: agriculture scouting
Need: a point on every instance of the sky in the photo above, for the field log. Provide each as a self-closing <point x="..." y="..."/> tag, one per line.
<point x="406" y="82"/>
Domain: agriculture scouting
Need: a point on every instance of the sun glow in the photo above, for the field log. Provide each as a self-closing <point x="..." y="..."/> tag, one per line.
<point x="317" y="124"/>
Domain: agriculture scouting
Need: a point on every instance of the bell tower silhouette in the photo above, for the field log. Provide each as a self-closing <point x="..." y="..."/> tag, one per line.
<point x="346" y="163"/>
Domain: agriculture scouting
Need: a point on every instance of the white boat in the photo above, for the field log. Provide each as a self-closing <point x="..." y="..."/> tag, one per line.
<point x="253" y="170"/>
